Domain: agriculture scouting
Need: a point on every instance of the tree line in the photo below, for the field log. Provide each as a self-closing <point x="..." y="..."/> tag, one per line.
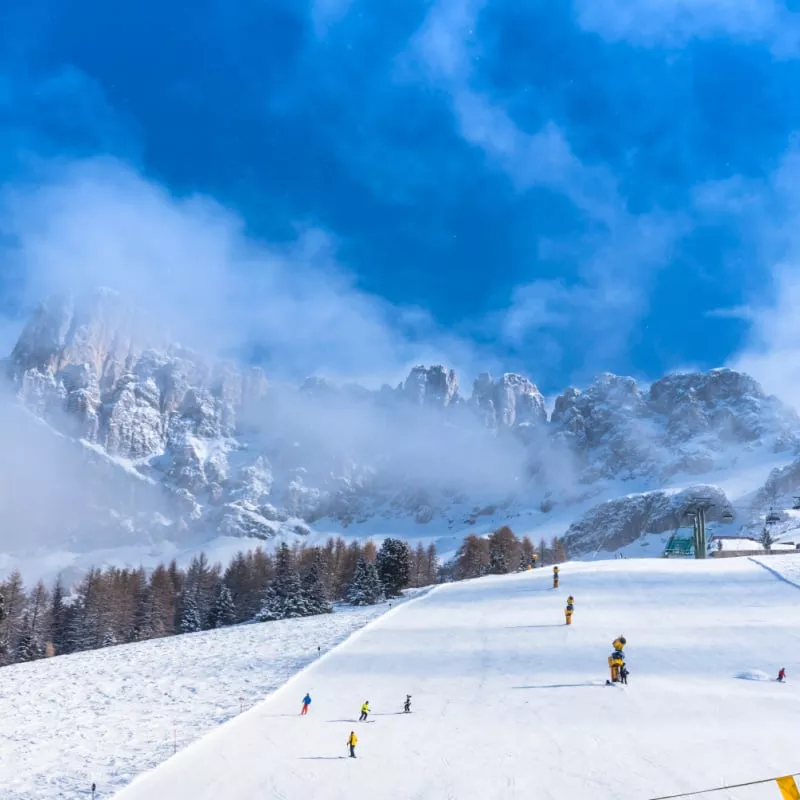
<point x="499" y="553"/>
<point x="121" y="605"/>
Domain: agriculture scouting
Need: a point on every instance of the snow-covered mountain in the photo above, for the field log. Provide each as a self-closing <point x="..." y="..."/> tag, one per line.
<point x="199" y="449"/>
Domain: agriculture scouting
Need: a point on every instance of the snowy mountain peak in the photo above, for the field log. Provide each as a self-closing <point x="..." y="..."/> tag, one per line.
<point x="237" y="455"/>
<point x="435" y="386"/>
<point x="509" y="401"/>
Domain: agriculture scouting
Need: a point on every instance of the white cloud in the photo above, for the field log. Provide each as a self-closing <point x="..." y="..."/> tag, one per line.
<point x="673" y="23"/>
<point x="616" y="260"/>
<point x="768" y="215"/>
<point x="191" y="263"/>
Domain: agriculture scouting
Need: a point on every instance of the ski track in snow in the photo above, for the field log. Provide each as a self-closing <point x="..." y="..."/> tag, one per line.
<point x="785" y="567"/>
<point x="106" y="715"/>
<point x="510" y="703"/>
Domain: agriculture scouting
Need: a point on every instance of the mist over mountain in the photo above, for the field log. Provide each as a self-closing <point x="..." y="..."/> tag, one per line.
<point x="118" y="437"/>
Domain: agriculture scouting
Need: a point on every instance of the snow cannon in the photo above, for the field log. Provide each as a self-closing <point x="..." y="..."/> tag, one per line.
<point x="615" y="662"/>
<point x="555" y="577"/>
<point x="619" y="644"/>
<point x="568" y="612"/>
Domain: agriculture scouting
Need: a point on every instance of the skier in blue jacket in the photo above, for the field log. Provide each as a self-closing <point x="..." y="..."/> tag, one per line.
<point x="306" y="704"/>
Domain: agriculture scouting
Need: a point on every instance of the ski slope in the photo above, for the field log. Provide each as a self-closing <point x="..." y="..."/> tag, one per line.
<point x="508" y="702"/>
<point x="104" y="716"/>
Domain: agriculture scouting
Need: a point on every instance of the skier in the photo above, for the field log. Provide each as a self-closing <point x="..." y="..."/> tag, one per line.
<point x="555" y="577"/>
<point x="306" y="704"/>
<point x="352" y="741"/>
<point x="623" y="674"/>
<point x="407" y="704"/>
<point x="568" y="610"/>
<point x="364" y="712"/>
<point x="782" y="675"/>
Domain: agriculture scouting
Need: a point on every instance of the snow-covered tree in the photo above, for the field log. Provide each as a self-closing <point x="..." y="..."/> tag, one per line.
<point x="366" y="588"/>
<point x="143" y="610"/>
<point x="394" y="565"/>
<point x="503" y="551"/>
<point x="314" y="587"/>
<point x="284" y="597"/>
<point x="191" y="621"/>
<point x="25" y="649"/>
<point x="766" y="539"/>
<point x="224" y="610"/>
<point x="58" y="632"/>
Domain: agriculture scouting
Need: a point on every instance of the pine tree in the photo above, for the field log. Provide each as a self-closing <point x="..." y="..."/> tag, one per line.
<point x="503" y="551"/>
<point x="191" y="622"/>
<point x="366" y="588"/>
<point x="224" y="611"/>
<point x="58" y="633"/>
<point x="526" y="551"/>
<point x="284" y="598"/>
<point x="394" y="565"/>
<point x="314" y="587"/>
<point x="14" y="595"/>
<point x="143" y="610"/>
<point x="25" y="649"/>
<point x="766" y="539"/>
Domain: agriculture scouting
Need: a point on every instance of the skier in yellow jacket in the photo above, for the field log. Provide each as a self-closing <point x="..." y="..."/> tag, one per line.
<point x="352" y="741"/>
<point x="569" y="609"/>
<point x="555" y="577"/>
<point x="364" y="712"/>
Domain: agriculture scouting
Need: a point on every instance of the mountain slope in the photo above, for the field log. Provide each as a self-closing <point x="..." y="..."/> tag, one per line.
<point x="517" y="681"/>
<point x="234" y="455"/>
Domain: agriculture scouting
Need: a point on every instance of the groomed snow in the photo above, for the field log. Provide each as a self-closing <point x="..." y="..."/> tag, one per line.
<point x="107" y="715"/>
<point x="509" y="702"/>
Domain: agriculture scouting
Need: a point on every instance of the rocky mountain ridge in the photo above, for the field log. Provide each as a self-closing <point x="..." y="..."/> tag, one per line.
<point x="238" y="455"/>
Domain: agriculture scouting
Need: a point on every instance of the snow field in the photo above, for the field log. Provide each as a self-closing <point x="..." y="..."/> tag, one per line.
<point x="509" y="702"/>
<point x="107" y="715"/>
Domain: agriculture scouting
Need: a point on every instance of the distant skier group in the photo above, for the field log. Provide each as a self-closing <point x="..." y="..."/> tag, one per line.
<point x="352" y="739"/>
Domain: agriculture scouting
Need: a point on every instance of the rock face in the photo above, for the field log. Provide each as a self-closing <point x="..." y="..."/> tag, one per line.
<point x="509" y="402"/>
<point x="619" y="523"/>
<point x="234" y="454"/>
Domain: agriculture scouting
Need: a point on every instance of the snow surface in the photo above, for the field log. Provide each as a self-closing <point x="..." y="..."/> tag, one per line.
<point x="509" y="702"/>
<point x="105" y="716"/>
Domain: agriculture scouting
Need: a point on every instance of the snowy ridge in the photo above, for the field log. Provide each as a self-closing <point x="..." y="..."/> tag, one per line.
<point x="215" y="450"/>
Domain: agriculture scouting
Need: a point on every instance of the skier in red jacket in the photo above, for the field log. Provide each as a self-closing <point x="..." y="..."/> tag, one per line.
<point x="782" y="674"/>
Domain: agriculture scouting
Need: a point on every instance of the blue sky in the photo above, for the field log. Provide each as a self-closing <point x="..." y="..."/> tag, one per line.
<point x="559" y="188"/>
